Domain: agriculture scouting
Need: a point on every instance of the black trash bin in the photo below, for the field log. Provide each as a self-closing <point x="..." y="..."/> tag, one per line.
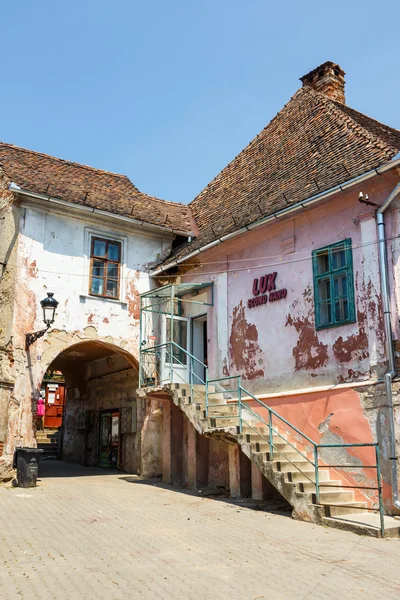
<point x="26" y="461"/>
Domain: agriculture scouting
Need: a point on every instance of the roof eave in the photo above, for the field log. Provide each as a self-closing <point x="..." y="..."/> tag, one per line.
<point x="281" y="213"/>
<point x="13" y="187"/>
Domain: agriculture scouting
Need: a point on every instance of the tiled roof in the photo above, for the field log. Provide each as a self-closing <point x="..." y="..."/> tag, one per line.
<point x="91" y="187"/>
<point x="312" y="145"/>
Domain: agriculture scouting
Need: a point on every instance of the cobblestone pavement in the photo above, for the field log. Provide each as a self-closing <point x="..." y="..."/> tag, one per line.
<point x="86" y="533"/>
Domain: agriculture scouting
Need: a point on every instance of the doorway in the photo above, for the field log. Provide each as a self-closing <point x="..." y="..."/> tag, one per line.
<point x="54" y="405"/>
<point x="174" y="362"/>
<point x="109" y="439"/>
<point x="199" y="347"/>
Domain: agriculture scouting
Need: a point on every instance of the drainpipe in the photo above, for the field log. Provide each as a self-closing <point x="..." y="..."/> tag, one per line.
<point x="389" y="375"/>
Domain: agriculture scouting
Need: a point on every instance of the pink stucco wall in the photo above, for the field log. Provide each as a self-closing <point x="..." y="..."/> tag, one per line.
<point x="275" y="346"/>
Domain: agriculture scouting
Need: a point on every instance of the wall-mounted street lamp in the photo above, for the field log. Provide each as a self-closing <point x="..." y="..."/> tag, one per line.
<point x="49" y="306"/>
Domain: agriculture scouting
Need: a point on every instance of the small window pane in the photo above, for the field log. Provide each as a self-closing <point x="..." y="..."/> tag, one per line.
<point x="325" y="313"/>
<point x="99" y="248"/>
<point x="112" y="286"/>
<point x="112" y="270"/>
<point x="98" y="268"/>
<point x="340" y="285"/>
<point x="97" y="286"/>
<point x="338" y="257"/>
<point x="341" y="309"/>
<point x="323" y="262"/>
<point x="179" y="337"/>
<point x="324" y="289"/>
<point x="113" y="251"/>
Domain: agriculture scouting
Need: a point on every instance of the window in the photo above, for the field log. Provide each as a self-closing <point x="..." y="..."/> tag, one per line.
<point x="333" y="285"/>
<point x="105" y="262"/>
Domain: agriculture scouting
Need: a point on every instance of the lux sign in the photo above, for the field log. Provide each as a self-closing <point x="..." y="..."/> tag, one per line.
<point x="264" y="284"/>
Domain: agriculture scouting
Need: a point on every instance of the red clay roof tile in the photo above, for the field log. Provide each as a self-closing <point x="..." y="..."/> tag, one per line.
<point x="80" y="184"/>
<point x="312" y="145"/>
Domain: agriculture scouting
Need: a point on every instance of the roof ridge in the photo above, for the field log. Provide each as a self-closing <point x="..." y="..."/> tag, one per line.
<point x="64" y="160"/>
<point x="172" y="202"/>
<point x="248" y="145"/>
<point x="94" y="169"/>
<point x="360" y="129"/>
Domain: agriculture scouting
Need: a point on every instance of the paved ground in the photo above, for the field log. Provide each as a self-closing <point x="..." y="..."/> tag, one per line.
<point x="90" y="534"/>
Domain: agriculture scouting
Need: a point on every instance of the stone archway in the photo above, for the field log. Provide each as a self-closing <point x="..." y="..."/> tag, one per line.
<point x="101" y="381"/>
<point x="74" y="354"/>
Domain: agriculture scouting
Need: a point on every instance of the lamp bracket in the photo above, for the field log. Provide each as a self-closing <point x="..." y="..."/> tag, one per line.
<point x="31" y="338"/>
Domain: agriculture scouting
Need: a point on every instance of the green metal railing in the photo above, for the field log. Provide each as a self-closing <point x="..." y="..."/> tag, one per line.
<point x="169" y="362"/>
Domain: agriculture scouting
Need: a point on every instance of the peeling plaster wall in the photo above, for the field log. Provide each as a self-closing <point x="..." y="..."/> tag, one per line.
<point x="52" y="253"/>
<point x="275" y="346"/>
<point x="344" y="416"/>
<point x="9" y="219"/>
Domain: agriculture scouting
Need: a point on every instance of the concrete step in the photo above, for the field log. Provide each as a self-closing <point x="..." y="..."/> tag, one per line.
<point x="222" y="422"/>
<point x="338" y="497"/>
<point x="198" y="398"/>
<point x="186" y="386"/>
<point x="289" y="453"/>
<point x="309" y="486"/>
<point x="217" y="399"/>
<point x="295" y="465"/>
<point x="365" y="524"/>
<point x="335" y="509"/>
<point x="309" y="472"/>
<point x="214" y="411"/>
<point x="264" y="437"/>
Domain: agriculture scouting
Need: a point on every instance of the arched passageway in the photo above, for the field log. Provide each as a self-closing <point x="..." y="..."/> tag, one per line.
<point x="98" y="425"/>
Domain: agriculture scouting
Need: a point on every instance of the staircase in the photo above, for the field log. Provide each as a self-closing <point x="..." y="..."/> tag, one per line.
<point x="48" y="440"/>
<point x="287" y="463"/>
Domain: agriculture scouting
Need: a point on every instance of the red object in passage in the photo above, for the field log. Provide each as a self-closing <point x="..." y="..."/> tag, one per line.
<point x="54" y="406"/>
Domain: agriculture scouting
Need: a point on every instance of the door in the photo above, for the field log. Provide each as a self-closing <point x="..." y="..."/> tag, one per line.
<point x="199" y="347"/>
<point x="54" y="405"/>
<point x="174" y="365"/>
<point x="109" y="438"/>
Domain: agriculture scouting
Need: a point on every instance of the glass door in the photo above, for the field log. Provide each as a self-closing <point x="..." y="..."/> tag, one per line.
<point x="175" y="363"/>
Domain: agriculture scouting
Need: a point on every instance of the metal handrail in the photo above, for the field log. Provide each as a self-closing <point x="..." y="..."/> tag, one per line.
<point x="171" y="343"/>
<point x="241" y="391"/>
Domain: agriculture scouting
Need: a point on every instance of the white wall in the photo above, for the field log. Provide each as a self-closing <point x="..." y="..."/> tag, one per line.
<point x="54" y="253"/>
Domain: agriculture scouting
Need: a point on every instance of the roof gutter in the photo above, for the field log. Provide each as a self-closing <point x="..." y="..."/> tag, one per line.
<point x="18" y="190"/>
<point x="391" y="372"/>
<point x="282" y="213"/>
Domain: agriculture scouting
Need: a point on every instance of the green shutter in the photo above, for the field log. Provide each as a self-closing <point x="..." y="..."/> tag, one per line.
<point x="333" y="274"/>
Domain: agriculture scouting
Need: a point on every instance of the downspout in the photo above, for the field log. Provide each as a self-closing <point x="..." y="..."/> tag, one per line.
<point x="391" y="372"/>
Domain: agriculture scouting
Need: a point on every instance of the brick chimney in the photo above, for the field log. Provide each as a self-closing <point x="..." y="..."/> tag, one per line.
<point x="327" y="79"/>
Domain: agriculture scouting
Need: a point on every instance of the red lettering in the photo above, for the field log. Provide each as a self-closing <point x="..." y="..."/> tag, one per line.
<point x="271" y="281"/>
<point x="263" y="284"/>
<point x="256" y="291"/>
<point x="284" y="293"/>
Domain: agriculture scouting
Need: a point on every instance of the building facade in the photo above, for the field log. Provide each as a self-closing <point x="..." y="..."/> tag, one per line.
<point x="304" y="301"/>
<point x="247" y="340"/>
<point x="88" y="237"/>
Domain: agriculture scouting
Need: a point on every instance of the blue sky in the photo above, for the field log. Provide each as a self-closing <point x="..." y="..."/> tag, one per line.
<point x="169" y="92"/>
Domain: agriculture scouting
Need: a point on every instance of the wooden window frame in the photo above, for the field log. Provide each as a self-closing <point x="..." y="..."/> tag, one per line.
<point x="106" y="262"/>
<point x="347" y="269"/>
